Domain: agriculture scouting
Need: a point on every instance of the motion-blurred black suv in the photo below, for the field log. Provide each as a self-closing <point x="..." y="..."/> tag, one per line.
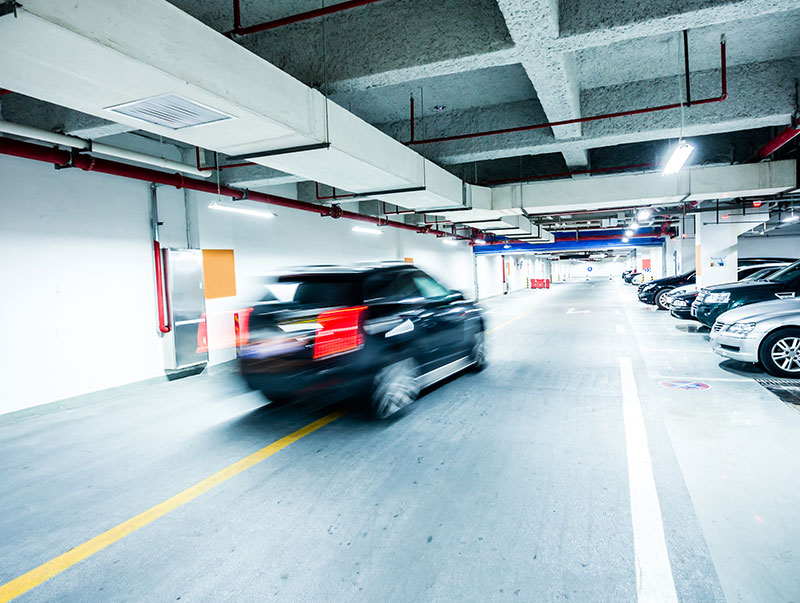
<point x="380" y="333"/>
<point x="713" y="301"/>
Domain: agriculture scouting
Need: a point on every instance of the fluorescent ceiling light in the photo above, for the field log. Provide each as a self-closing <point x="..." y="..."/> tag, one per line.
<point x="628" y="233"/>
<point x="369" y="231"/>
<point x="644" y="214"/>
<point x="241" y="210"/>
<point x="506" y="246"/>
<point x="678" y="158"/>
<point x="792" y="218"/>
<point x="449" y="241"/>
<point x="625" y="239"/>
<point x="480" y="242"/>
<point x="634" y="225"/>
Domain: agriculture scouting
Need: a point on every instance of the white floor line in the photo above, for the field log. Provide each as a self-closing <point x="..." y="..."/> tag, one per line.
<point x="685" y="378"/>
<point x="654" y="581"/>
<point x="620" y="328"/>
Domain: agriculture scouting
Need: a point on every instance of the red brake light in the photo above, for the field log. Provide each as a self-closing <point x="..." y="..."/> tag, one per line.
<point x="340" y="332"/>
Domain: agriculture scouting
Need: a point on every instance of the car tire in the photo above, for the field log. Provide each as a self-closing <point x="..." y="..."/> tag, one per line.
<point x="660" y="298"/>
<point x="779" y="353"/>
<point x="394" y="387"/>
<point x="477" y="354"/>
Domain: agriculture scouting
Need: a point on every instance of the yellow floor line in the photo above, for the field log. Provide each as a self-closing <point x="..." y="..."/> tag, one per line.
<point x="508" y="322"/>
<point x="35" y="577"/>
<point x="47" y="570"/>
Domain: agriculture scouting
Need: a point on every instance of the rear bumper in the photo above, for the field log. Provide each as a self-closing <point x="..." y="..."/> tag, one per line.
<point x="334" y="378"/>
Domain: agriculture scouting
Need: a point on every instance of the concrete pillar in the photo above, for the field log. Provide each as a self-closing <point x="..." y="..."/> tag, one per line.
<point x="716" y="252"/>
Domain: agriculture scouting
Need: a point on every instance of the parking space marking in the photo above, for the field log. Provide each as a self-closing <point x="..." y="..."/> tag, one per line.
<point x="37" y="576"/>
<point x="654" y="580"/>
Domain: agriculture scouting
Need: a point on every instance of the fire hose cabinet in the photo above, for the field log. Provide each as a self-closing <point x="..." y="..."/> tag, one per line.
<point x="185" y="344"/>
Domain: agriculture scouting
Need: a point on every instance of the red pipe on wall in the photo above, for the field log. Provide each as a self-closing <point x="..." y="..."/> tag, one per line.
<point x="88" y="163"/>
<point x="580" y="120"/>
<point x="4" y="91"/>
<point x="163" y="325"/>
<point x="238" y="30"/>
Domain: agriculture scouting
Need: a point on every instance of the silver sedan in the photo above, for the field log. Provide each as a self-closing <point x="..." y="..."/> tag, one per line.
<point x="767" y="333"/>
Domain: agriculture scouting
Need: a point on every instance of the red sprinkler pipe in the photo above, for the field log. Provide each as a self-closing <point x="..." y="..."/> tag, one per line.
<point x="163" y="325"/>
<point x="568" y="174"/>
<point x="4" y="91"/>
<point x="238" y="30"/>
<point x="785" y="137"/>
<point x="61" y="158"/>
<point x="580" y="120"/>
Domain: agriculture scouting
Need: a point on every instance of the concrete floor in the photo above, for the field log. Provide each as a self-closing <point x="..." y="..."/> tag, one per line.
<point x="509" y="485"/>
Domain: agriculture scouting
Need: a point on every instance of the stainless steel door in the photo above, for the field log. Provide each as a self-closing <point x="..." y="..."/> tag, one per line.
<point x="186" y="344"/>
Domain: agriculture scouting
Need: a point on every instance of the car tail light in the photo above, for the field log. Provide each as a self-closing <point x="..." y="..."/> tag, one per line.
<point x="340" y="332"/>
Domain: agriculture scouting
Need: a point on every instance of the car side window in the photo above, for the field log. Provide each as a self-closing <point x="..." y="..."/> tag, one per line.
<point x="391" y="287"/>
<point x="428" y="287"/>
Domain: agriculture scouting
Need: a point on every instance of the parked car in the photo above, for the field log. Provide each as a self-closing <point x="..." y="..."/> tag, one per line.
<point x="380" y="332"/>
<point x="767" y="333"/>
<point x="680" y="306"/>
<point x="655" y="292"/>
<point x="629" y="275"/>
<point x="746" y="273"/>
<point x="713" y="301"/>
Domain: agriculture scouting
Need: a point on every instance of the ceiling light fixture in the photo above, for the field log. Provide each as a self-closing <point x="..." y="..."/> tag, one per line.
<point x="678" y="158"/>
<point x="625" y="239"/>
<point x="449" y="241"/>
<point x="635" y="225"/>
<point x="480" y="242"/>
<point x="628" y="233"/>
<point x="644" y="214"/>
<point x="369" y="231"/>
<point x="258" y="213"/>
<point x="506" y="246"/>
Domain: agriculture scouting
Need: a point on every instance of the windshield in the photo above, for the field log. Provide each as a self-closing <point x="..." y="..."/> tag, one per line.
<point x="314" y="290"/>
<point x="760" y="274"/>
<point x="786" y="275"/>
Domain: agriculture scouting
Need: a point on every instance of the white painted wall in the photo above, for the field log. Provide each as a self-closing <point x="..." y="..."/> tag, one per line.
<point x="78" y="311"/>
<point x="520" y="269"/>
<point x="783" y="242"/>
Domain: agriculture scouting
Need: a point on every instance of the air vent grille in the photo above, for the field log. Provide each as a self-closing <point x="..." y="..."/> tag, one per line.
<point x="170" y="111"/>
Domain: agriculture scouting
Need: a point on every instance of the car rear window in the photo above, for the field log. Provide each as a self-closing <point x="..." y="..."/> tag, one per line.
<point x="315" y="291"/>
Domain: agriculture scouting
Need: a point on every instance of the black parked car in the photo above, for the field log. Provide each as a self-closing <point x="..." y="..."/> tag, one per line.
<point x="380" y="333"/>
<point x="655" y="291"/>
<point x="680" y="305"/>
<point x="713" y="301"/>
<point x="629" y="275"/>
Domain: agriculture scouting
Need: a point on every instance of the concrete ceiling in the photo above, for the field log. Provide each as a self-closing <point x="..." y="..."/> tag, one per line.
<point x="505" y="63"/>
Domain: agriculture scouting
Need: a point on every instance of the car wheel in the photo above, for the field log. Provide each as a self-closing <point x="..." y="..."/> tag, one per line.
<point x="661" y="299"/>
<point x="394" y="387"/>
<point x="477" y="355"/>
<point x="780" y="353"/>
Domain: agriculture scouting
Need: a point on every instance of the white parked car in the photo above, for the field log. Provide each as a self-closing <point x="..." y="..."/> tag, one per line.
<point x="767" y="333"/>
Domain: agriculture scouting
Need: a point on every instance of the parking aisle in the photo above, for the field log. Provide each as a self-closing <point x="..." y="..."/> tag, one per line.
<point x="508" y="485"/>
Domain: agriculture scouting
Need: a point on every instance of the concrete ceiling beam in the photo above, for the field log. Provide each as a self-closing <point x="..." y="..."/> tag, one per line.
<point x="256" y="176"/>
<point x="760" y="94"/>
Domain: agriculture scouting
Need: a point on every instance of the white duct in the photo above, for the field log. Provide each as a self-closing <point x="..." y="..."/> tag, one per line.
<point x="132" y="61"/>
<point x="98" y="148"/>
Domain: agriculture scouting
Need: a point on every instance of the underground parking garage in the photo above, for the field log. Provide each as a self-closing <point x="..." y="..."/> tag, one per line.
<point x="380" y="300"/>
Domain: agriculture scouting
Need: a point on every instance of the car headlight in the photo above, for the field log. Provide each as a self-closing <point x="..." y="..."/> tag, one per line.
<point x="716" y="298"/>
<point x="741" y="329"/>
<point x="649" y="286"/>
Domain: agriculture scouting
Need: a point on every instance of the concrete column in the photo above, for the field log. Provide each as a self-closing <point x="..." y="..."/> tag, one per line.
<point x="716" y="252"/>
